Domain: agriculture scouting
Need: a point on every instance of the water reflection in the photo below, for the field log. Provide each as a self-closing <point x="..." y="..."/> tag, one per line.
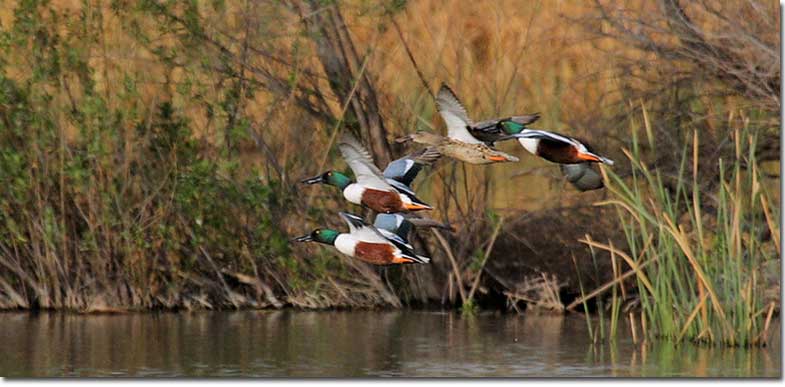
<point x="373" y="343"/>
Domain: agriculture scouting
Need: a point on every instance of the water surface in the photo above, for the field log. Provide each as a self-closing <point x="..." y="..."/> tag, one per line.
<point x="341" y="344"/>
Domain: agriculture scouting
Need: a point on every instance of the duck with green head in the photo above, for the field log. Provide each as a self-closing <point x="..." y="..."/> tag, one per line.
<point x="366" y="243"/>
<point x="497" y="129"/>
<point x="386" y="192"/>
<point x="333" y="178"/>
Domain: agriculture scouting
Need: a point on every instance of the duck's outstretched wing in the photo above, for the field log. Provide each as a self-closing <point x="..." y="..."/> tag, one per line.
<point x="361" y="163"/>
<point x="394" y="223"/>
<point x="526" y="119"/>
<point x="491" y="131"/>
<point x="354" y="222"/>
<point x="582" y="176"/>
<point x="517" y="123"/>
<point x="455" y="116"/>
<point x="421" y="221"/>
<point x="367" y="233"/>
<point x="394" y="238"/>
<point x="393" y="227"/>
<point x="405" y="169"/>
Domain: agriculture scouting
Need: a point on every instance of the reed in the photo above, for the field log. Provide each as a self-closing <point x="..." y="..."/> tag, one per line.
<point x="709" y="242"/>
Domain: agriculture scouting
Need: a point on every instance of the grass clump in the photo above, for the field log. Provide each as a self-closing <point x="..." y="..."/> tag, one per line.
<point x="704" y="244"/>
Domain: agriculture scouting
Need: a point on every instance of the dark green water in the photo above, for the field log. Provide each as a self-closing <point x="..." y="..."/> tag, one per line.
<point x="307" y="344"/>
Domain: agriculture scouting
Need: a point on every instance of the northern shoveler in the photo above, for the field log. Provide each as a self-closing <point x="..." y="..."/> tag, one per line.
<point x="582" y="176"/>
<point x="366" y="243"/>
<point x="386" y="192"/>
<point x="557" y="148"/>
<point x="459" y="143"/>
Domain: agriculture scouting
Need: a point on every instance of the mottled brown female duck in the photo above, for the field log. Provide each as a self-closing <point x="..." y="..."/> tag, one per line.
<point x="459" y="143"/>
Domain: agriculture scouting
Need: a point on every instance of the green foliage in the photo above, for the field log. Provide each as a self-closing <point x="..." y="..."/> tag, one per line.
<point x="704" y="243"/>
<point x="104" y="196"/>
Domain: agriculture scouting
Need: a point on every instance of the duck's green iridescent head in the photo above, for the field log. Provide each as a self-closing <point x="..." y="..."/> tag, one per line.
<point x="334" y="178"/>
<point x="321" y="235"/>
<point x="511" y="127"/>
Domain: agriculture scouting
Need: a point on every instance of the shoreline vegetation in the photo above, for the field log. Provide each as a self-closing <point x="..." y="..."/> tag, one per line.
<point x="150" y="154"/>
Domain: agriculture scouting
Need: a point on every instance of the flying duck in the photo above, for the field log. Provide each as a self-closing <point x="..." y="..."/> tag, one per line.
<point x="459" y="143"/>
<point x="366" y="243"/>
<point x="557" y="148"/>
<point x="488" y="131"/>
<point x="386" y="192"/>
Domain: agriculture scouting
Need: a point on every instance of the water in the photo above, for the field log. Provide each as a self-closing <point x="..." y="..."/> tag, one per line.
<point x="373" y="343"/>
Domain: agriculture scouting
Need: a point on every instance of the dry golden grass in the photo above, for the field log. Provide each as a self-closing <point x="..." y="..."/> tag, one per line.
<point x="501" y="57"/>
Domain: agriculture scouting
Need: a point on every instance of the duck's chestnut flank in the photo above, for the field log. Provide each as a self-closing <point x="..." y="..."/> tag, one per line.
<point x="375" y="253"/>
<point x="382" y="201"/>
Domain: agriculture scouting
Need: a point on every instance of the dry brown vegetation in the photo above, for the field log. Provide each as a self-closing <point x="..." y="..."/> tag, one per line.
<point x="153" y="117"/>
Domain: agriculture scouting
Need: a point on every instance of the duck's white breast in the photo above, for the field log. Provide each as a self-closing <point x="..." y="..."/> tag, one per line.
<point x="345" y="243"/>
<point x="530" y="144"/>
<point x="354" y="193"/>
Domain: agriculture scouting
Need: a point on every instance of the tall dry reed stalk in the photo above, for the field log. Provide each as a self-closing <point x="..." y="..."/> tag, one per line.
<point x="705" y="251"/>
